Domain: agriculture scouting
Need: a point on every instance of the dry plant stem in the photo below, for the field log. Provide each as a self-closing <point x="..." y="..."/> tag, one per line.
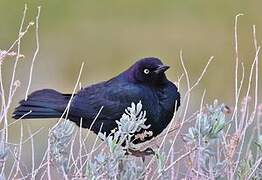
<point x="20" y="151"/>
<point x="80" y="149"/>
<point x="187" y="97"/>
<point x="27" y="139"/>
<point x="171" y="147"/>
<point x="13" y="86"/>
<point x="179" y="159"/>
<point x="168" y="129"/>
<point x="199" y="174"/>
<point x="71" y="154"/>
<point x="257" y="48"/>
<point x="42" y="164"/>
<point x="30" y="174"/>
<point x="188" y="92"/>
<point x="247" y="120"/>
<point x="74" y="90"/>
<point x="254" y="168"/>
<point x="10" y="124"/>
<point x="48" y="157"/>
<point x="92" y="124"/>
<point x="2" y="94"/>
<point x="33" y="153"/>
<point x="172" y="121"/>
<point x="18" y="56"/>
<point x="148" y="143"/>
<point x="172" y="159"/>
<point x="257" y="75"/>
<point x="200" y="77"/>
<point x="35" y="172"/>
<point x="187" y="103"/>
<point x="236" y="70"/>
<point x="248" y="91"/>
<point x="6" y="106"/>
<point x="199" y="138"/>
<point x="64" y="174"/>
<point x="85" y="139"/>
<point x="14" y="155"/>
<point x="36" y="51"/>
<point x="250" y="141"/>
<point x="252" y="116"/>
<point x="12" y="169"/>
<point x="66" y="111"/>
<point x="239" y="90"/>
<point x="43" y="175"/>
<point x="89" y="155"/>
<point x="177" y="126"/>
<point x="18" y="50"/>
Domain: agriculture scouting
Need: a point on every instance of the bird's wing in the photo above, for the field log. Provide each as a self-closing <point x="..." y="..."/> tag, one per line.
<point x="114" y="97"/>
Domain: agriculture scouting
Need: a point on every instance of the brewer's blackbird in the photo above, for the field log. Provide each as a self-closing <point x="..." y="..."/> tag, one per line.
<point x="144" y="81"/>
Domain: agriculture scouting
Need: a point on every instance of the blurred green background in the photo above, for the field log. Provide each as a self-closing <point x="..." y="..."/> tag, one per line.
<point x="110" y="35"/>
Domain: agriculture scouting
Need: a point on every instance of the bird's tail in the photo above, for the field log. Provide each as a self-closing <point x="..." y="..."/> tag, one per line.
<point x="46" y="103"/>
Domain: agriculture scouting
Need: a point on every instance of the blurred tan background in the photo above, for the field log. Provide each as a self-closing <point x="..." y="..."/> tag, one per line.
<point x="110" y="35"/>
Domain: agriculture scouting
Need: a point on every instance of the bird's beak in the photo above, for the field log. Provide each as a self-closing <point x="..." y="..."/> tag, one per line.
<point x="161" y="69"/>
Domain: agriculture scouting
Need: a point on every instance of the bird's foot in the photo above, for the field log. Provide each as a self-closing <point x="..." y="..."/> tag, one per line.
<point x="138" y="153"/>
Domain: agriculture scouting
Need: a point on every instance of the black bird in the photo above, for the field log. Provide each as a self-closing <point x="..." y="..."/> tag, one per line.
<point x="145" y="80"/>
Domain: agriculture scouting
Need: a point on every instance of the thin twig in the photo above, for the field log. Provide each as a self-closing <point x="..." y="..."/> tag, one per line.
<point x="36" y="51"/>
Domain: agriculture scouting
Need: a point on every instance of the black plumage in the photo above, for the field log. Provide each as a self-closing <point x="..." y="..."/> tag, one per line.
<point x="145" y="80"/>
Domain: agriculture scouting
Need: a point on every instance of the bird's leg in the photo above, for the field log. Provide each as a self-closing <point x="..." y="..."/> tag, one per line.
<point x="137" y="153"/>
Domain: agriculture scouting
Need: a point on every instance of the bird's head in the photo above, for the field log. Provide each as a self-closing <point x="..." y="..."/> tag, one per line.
<point x="149" y="70"/>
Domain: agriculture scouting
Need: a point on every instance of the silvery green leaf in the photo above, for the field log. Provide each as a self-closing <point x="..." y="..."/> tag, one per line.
<point x="132" y="109"/>
<point x="138" y="107"/>
<point x="3" y="150"/>
<point x="100" y="158"/>
<point x="260" y="139"/>
<point x="160" y="161"/>
<point x="258" y="143"/>
<point x="218" y="127"/>
<point x="143" y="126"/>
<point x="102" y="136"/>
<point x="191" y="133"/>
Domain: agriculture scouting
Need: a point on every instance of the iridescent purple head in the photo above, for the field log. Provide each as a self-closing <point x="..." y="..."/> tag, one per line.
<point x="149" y="70"/>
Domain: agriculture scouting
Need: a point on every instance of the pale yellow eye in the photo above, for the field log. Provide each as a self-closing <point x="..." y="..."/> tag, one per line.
<point x="146" y="71"/>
